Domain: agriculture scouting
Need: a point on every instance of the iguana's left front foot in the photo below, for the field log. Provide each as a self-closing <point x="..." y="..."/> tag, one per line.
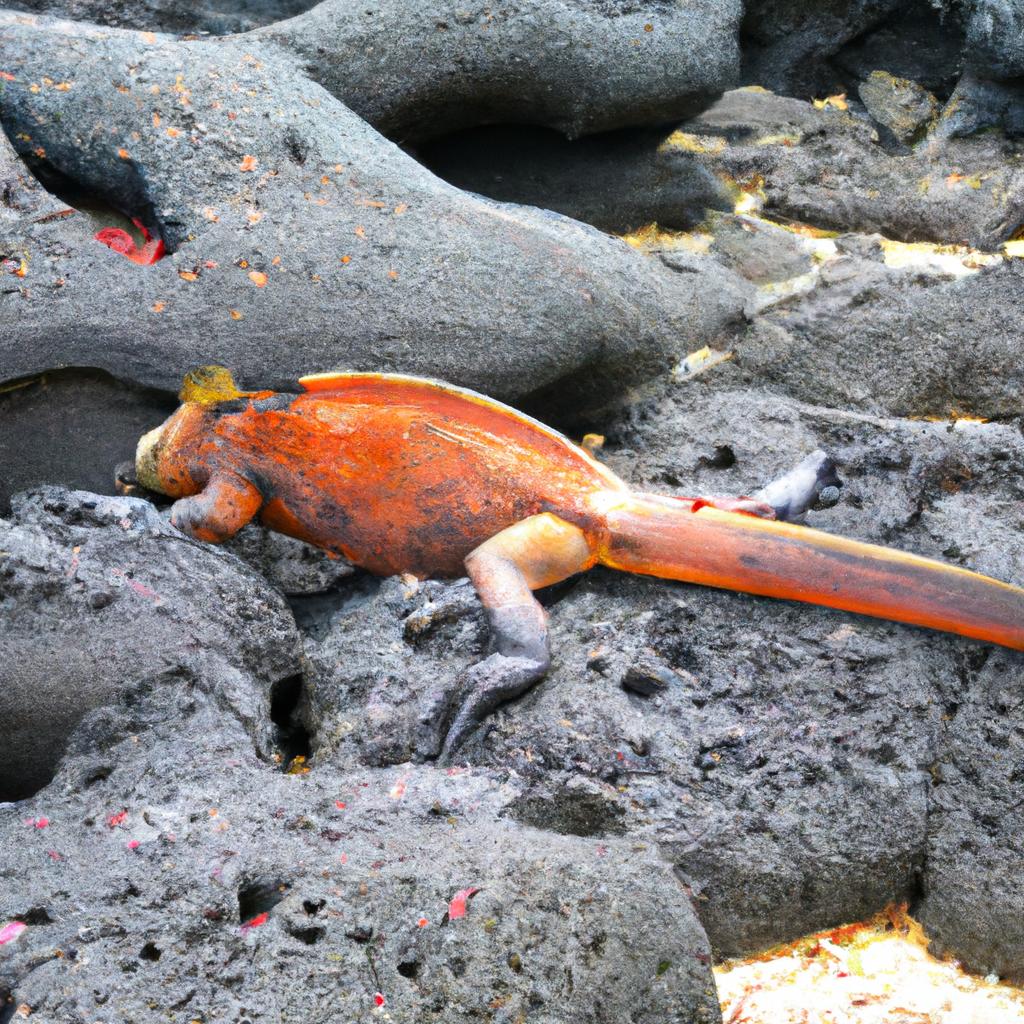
<point x="505" y="571"/>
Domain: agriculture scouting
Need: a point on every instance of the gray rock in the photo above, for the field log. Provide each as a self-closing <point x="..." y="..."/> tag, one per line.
<point x="898" y="104"/>
<point x="995" y="37"/>
<point x="295" y="568"/>
<point x="973" y="897"/>
<point x="196" y="877"/>
<point x="98" y="595"/>
<point x="897" y="342"/>
<point x="217" y="17"/>
<point x="416" y="70"/>
<point x="508" y="300"/>
<point x="825" y="168"/>
<point x="617" y="181"/>
<point x="788" y="41"/>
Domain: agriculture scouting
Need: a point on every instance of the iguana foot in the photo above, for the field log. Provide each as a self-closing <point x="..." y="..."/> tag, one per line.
<point x="505" y="570"/>
<point x="811" y="483"/>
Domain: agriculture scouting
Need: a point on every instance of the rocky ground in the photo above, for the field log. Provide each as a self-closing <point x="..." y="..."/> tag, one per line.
<point x="215" y="806"/>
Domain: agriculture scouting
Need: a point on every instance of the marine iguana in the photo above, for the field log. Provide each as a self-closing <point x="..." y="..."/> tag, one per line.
<point x="401" y="474"/>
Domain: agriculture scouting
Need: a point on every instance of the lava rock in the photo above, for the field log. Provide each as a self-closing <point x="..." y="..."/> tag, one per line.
<point x="897" y="342"/>
<point x="216" y="17"/>
<point x="287" y="214"/>
<point x="899" y="105"/>
<point x="410" y="889"/>
<point x="98" y="595"/>
<point x="617" y="181"/>
<point x="826" y="168"/>
<point x="297" y="569"/>
<point x="417" y="70"/>
<point x="973" y="901"/>
<point x="787" y="43"/>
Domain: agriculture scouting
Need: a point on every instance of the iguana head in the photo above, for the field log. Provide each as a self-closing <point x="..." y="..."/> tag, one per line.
<point x="163" y="455"/>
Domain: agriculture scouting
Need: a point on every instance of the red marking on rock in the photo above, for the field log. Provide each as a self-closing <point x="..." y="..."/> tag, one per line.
<point x="378" y="999"/>
<point x="133" y="844"/>
<point x="457" y="906"/>
<point x="11" y="930"/>
<point x="121" y="242"/>
<point x="255" y="922"/>
<point x="53" y="854"/>
<point x="117" y="818"/>
<point x="340" y="804"/>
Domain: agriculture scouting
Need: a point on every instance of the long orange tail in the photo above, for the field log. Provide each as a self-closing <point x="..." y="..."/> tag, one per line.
<point x="661" y="536"/>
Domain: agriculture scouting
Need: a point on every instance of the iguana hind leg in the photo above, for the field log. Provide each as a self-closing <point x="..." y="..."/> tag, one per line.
<point x="505" y="570"/>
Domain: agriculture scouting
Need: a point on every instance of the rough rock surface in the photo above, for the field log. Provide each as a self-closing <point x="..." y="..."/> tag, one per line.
<point x="825" y="168"/>
<point x="177" y="871"/>
<point x="99" y="595"/>
<point x="288" y="213"/>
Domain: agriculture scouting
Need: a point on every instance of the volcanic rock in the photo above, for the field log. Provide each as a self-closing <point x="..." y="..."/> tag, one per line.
<point x="100" y="595"/>
<point x="291" y="218"/>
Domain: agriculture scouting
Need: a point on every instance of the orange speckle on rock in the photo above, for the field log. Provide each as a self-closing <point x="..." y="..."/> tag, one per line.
<point x="258" y="278"/>
<point x="39" y="152"/>
<point x="393" y="274"/>
<point x="188" y="275"/>
<point x="648" y="27"/>
<point x="276" y="261"/>
<point x="235" y="314"/>
<point x="155" y="90"/>
<point x="346" y="259"/>
<point x="158" y="307"/>
<point x="325" y="180"/>
<point x="173" y="133"/>
<point x="400" y="209"/>
<point x="156" y="120"/>
<point x="63" y="87"/>
<point x="210" y="264"/>
<point x="148" y="37"/>
<point x="248" y="163"/>
<point x="124" y="154"/>
<point x="360" y="231"/>
<point x="210" y="214"/>
<point x="6" y="76"/>
<point x="254" y="217"/>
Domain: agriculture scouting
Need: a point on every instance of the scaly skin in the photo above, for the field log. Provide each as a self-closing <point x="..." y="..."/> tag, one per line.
<point x="399" y="474"/>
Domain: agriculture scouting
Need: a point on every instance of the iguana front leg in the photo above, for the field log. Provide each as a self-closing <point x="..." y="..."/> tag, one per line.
<point x="505" y="570"/>
<point x="226" y="504"/>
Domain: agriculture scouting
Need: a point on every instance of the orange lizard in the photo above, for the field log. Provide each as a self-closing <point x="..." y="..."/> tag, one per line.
<point x="404" y="475"/>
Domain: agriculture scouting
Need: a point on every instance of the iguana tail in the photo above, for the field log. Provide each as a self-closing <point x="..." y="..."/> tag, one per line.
<point x="660" y="536"/>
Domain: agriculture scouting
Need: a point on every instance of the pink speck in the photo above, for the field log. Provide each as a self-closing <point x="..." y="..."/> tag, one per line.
<point x="53" y="854"/>
<point x="343" y="858"/>
<point x="457" y="906"/>
<point x="422" y="922"/>
<point x="133" y="844"/>
<point x="39" y="822"/>
<point x="619" y="755"/>
<point x="340" y="804"/>
<point x="118" y="818"/>
<point x="255" y="922"/>
<point x="378" y="999"/>
<point x="11" y="930"/>
<point x="397" y="790"/>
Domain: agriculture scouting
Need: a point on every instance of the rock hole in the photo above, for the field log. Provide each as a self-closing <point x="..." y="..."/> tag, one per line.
<point x="150" y="951"/>
<point x="310" y="936"/>
<point x="313" y="907"/>
<point x="723" y="458"/>
<point x="409" y="968"/>
<point x="260" y="896"/>
<point x="292" y="738"/>
<point x="35" y="915"/>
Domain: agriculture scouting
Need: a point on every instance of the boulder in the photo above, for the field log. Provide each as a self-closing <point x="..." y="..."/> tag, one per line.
<point x="190" y="874"/>
<point x="301" y="239"/>
<point x="99" y="595"/>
